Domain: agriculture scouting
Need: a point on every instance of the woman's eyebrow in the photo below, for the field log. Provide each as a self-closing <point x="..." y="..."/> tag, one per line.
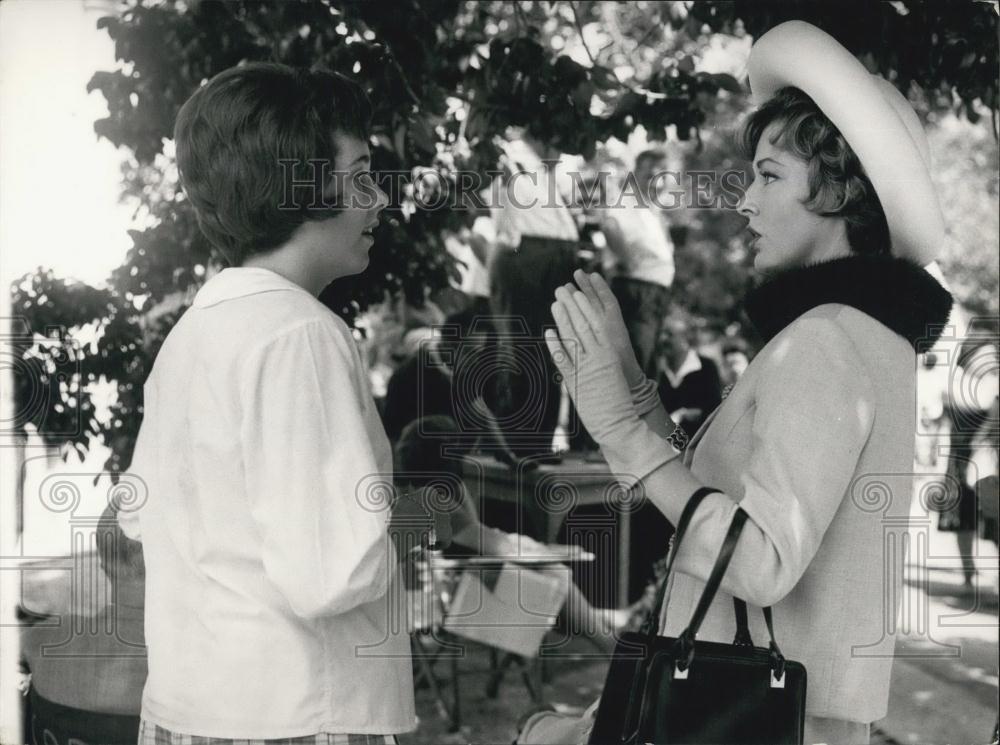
<point x="762" y="161"/>
<point x="361" y="159"/>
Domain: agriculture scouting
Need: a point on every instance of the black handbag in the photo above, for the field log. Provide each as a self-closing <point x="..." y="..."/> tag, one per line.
<point x="671" y="691"/>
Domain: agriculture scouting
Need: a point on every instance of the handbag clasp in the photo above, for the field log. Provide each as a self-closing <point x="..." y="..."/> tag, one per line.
<point x="681" y="674"/>
<point x="777" y="680"/>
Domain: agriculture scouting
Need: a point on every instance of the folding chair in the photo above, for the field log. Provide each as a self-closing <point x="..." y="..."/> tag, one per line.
<point x="426" y="595"/>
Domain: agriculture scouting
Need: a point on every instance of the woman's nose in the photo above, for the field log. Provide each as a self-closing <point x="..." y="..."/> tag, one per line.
<point x="748" y="203"/>
<point x="748" y="206"/>
<point x="381" y="199"/>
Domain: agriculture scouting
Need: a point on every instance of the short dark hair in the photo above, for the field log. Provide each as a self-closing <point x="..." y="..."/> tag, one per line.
<point x="679" y="323"/>
<point x="838" y="184"/>
<point x="231" y="134"/>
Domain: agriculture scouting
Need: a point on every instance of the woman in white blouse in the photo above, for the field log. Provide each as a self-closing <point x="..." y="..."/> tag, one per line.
<point x="269" y="567"/>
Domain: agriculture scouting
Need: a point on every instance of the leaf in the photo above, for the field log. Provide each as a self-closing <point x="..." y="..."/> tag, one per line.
<point x="582" y="94"/>
<point x="570" y="70"/>
<point x="423" y="135"/>
<point x="604" y="78"/>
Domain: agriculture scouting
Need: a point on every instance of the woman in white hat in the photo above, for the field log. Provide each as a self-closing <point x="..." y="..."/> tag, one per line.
<point x="816" y="439"/>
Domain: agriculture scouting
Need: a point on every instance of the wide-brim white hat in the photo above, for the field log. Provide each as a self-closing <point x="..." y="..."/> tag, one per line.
<point x="875" y="119"/>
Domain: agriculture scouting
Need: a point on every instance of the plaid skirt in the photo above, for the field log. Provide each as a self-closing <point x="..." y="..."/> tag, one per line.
<point x="153" y="734"/>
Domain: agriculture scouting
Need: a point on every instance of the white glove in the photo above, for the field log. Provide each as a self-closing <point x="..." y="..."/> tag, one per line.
<point x="607" y="311"/>
<point x="591" y="367"/>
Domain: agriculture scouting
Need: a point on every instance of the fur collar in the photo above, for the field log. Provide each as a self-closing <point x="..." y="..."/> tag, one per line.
<point x="895" y="292"/>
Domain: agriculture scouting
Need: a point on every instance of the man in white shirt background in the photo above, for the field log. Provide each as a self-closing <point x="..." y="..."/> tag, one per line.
<point x="689" y="383"/>
<point x="535" y="252"/>
<point x="636" y="232"/>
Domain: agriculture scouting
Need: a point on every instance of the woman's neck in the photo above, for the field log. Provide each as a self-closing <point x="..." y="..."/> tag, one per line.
<point x="833" y="245"/>
<point x="290" y="266"/>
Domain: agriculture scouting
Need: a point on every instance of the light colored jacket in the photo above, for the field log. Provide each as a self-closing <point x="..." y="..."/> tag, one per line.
<point x="816" y="444"/>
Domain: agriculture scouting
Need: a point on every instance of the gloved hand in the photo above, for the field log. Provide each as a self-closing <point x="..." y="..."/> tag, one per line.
<point x="592" y="369"/>
<point x="609" y="314"/>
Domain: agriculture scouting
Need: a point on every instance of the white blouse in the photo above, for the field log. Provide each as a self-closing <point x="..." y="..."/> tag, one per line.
<point x="270" y="608"/>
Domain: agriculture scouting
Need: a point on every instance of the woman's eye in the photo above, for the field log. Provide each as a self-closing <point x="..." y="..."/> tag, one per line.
<point x="767" y="177"/>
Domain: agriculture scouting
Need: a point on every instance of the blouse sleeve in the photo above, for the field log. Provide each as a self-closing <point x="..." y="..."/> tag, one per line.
<point x="307" y="451"/>
<point x="814" y="414"/>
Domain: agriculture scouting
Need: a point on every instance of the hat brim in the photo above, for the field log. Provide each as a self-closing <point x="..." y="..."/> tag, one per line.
<point x="875" y="119"/>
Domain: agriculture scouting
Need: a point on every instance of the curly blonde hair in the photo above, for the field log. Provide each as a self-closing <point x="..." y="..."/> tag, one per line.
<point x="838" y="184"/>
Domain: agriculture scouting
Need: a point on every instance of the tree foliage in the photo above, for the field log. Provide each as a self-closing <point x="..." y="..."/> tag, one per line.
<point x="447" y="78"/>
<point x="947" y="50"/>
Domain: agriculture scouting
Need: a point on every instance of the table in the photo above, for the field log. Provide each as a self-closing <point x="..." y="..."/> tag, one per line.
<point x="548" y="493"/>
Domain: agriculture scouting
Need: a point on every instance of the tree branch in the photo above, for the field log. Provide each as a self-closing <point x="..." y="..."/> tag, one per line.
<point x="645" y="38"/>
<point x="579" y="30"/>
<point x="519" y="18"/>
<point x="402" y="75"/>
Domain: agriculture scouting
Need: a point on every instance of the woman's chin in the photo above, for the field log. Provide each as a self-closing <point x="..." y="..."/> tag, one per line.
<point x="766" y="263"/>
<point x="359" y="266"/>
<point x="345" y="268"/>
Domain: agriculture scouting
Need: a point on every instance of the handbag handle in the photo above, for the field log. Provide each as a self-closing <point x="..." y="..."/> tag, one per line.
<point x="715" y="578"/>
<point x="651" y="625"/>
<point x="686" y="639"/>
<point x="653" y="619"/>
<point x="743" y="634"/>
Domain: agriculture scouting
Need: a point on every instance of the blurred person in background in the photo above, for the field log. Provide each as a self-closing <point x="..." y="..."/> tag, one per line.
<point x="588" y="203"/>
<point x="735" y="358"/>
<point x="643" y="255"/>
<point x="442" y="375"/>
<point x="472" y="247"/>
<point x="688" y="383"/>
<point x="429" y="452"/>
<point x="971" y="397"/>
<point x="932" y="420"/>
<point x="87" y="672"/>
<point x="535" y="252"/>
